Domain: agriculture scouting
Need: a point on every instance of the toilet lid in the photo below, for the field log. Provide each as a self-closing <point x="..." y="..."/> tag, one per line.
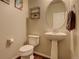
<point x="26" y="48"/>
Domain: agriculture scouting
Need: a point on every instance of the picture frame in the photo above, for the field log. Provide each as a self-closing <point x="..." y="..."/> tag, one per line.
<point x="6" y="1"/>
<point x="35" y="13"/>
<point x="19" y="4"/>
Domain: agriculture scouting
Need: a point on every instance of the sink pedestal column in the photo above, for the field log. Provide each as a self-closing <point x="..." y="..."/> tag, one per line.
<point x="54" y="50"/>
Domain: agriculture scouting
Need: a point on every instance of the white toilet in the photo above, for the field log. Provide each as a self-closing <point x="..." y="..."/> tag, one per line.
<point x="26" y="51"/>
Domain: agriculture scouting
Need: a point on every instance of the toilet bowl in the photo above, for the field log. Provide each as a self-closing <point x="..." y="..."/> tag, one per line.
<point x="26" y="50"/>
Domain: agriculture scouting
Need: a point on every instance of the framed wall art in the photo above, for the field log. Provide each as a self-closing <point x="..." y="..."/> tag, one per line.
<point x="19" y="4"/>
<point x="34" y="13"/>
<point x="6" y="1"/>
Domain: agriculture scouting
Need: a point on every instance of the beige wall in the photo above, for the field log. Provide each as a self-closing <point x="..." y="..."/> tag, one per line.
<point x="12" y="25"/>
<point x="39" y="26"/>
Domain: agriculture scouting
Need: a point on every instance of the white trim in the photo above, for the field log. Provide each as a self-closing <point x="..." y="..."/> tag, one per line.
<point x="15" y="56"/>
<point x="41" y="54"/>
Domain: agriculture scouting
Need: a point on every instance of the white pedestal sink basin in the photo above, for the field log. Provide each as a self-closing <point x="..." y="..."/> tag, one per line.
<point x="55" y="37"/>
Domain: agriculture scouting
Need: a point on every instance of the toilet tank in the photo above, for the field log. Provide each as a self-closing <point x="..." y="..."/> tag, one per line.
<point x="33" y="40"/>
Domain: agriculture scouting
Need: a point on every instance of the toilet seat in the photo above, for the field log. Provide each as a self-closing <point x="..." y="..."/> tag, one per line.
<point x="26" y="50"/>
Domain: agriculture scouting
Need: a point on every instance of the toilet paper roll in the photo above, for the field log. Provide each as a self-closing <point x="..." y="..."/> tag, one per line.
<point x="12" y="40"/>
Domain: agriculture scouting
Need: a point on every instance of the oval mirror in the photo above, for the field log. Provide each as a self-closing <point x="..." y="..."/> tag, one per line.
<point x="55" y="16"/>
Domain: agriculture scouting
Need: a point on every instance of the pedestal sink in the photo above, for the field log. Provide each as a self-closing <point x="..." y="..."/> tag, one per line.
<point x="55" y="37"/>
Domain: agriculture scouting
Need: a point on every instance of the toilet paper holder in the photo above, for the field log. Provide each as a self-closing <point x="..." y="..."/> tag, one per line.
<point x="9" y="42"/>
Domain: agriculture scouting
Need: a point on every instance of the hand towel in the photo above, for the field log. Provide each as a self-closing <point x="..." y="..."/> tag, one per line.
<point x="71" y="22"/>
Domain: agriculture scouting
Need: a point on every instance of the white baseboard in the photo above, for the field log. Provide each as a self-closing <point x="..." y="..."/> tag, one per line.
<point x="15" y="56"/>
<point x="41" y="54"/>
